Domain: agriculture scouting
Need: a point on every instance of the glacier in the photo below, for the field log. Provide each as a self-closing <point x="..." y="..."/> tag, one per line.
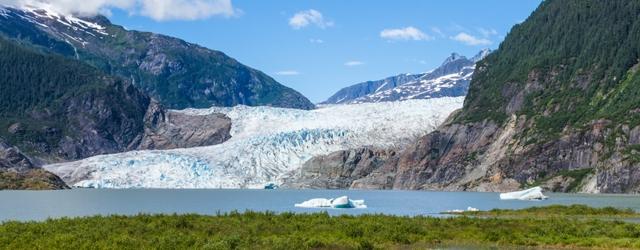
<point x="267" y="143"/>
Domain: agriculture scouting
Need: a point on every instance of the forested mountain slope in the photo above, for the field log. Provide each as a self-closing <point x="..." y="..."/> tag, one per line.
<point x="176" y="73"/>
<point x="62" y="109"/>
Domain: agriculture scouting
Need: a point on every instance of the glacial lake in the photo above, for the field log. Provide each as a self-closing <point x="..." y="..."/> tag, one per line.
<point x="40" y="205"/>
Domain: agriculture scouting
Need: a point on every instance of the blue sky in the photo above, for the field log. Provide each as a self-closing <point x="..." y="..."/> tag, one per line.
<point x="353" y="41"/>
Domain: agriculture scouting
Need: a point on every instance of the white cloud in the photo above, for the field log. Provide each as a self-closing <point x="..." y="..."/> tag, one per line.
<point x="353" y="63"/>
<point x="407" y="33"/>
<point x="185" y="9"/>
<point x="470" y="40"/>
<point x="305" y="18"/>
<point x="313" y="40"/>
<point x="160" y="10"/>
<point x="287" y="73"/>
<point x="487" y="32"/>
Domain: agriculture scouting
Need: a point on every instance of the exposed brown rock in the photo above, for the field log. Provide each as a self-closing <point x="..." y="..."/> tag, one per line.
<point x="170" y="129"/>
<point x="338" y="170"/>
<point x="18" y="172"/>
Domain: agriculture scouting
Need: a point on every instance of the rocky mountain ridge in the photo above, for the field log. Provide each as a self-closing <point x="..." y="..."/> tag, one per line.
<point x="451" y="78"/>
<point x="176" y="73"/>
<point x="58" y="109"/>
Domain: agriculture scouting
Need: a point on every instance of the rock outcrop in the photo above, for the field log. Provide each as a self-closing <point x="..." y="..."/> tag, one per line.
<point x="486" y="157"/>
<point x="18" y="172"/>
<point x="338" y="170"/>
<point x="166" y="129"/>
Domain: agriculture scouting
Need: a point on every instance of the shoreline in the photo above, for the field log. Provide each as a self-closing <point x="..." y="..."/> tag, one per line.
<point x="268" y="230"/>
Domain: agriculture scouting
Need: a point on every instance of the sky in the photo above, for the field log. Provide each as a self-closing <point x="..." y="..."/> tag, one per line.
<point x="320" y="46"/>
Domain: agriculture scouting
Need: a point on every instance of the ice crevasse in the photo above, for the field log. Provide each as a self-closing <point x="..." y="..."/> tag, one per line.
<point x="267" y="143"/>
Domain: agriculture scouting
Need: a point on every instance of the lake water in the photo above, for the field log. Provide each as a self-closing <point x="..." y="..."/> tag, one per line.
<point x="40" y="205"/>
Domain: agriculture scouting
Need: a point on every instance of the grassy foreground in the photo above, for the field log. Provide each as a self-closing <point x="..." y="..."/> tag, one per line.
<point x="252" y="230"/>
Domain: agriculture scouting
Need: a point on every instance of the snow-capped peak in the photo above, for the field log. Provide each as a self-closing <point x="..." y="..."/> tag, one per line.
<point x="48" y="11"/>
<point x="453" y="57"/>
<point x="452" y="78"/>
<point x="39" y="12"/>
<point x="481" y="55"/>
<point x="3" y="11"/>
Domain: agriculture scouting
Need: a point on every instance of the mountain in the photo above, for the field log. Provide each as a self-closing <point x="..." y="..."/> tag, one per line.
<point x="451" y="78"/>
<point x="56" y="108"/>
<point x="355" y="91"/>
<point x="176" y="73"/>
<point x="266" y="145"/>
<point x="557" y="105"/>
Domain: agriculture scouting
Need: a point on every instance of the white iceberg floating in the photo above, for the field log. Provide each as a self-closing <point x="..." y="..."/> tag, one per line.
<point x="340" y="202"/>
<point x="459" y="211"/>
<point x="525" y="195"/>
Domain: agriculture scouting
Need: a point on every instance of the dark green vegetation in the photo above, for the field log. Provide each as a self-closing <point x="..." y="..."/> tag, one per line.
<point x="172" y="71"/>
<point x="252" y="230"/>
<point x="576" y="176"/>
<point x="559" y="211"/>
<point x="572" y="62"/>
<point x="60" y="108"/>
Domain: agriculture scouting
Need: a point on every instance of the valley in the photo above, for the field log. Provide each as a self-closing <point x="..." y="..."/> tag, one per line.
<point x="228" y="124"/>
<point x="266" y="144"/>
<point x="145" y="110"/>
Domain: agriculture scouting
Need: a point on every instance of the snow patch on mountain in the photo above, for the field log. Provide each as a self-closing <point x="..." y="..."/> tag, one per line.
<point x="455" y="84"/>
<point x="44" y="15"/>
<point x="451" y="78"/>
<point x="266" y="144"/>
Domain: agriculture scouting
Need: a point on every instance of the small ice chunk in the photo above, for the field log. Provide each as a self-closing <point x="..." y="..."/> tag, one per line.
<point x="455" y="211"/>
<point x="340" y="202"/>
<point x="526" y="195"/>
<point x="459" y="211"/>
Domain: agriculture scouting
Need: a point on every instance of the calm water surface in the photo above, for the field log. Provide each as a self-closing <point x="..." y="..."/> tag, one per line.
<point x="40" y="205"/>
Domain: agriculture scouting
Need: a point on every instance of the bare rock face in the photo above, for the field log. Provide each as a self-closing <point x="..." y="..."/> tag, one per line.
<point x="18" y="172"/>
<point x="486" y="157"/>
<point x="12" y="158"/>
<point x="103" y="122"/>
<point x="169" y="129"/>
<point x="340" y="169"/>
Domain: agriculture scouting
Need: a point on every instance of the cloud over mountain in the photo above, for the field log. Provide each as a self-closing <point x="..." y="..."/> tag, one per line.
<point x="159" y="10"/>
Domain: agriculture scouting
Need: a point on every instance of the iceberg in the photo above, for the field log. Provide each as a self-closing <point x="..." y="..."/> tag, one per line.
<point x="525" y="195"/>
<point x="340" y="202"/>
<point x="459" y="211"/>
